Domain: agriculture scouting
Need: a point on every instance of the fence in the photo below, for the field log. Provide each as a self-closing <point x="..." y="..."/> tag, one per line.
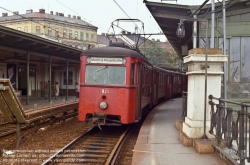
<point x="231" y="128"/>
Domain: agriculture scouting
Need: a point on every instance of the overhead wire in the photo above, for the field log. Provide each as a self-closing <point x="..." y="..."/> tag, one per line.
<point x="78" y="14"/>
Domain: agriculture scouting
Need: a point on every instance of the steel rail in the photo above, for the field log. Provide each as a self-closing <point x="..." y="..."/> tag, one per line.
<point x="119" y="147"/>
<point x="49" y="160"/>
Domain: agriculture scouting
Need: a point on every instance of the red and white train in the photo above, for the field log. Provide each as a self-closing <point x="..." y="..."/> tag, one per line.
<point x="118" y="84"/>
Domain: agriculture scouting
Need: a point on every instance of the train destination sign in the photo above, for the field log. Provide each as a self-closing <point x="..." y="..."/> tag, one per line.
<point x="106" y="60"/>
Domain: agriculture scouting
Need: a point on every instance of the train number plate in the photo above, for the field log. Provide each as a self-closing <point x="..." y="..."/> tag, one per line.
<point x="105" y="91"/>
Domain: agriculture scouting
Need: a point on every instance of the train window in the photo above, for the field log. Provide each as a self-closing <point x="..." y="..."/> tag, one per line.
<point x="105" y="74"/>
<point x="132" y="79"/>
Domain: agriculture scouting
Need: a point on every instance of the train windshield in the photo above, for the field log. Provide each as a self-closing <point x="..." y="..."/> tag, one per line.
<point x="105" y="74"/>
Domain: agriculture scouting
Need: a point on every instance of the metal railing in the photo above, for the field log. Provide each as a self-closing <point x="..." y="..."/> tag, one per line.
<point x="231" y="128"/>
<point x="184" y="104"/>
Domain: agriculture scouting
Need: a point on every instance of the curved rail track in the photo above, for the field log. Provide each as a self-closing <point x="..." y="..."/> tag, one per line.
<point x="93" y="147"/>
<point x="109" y="146"/>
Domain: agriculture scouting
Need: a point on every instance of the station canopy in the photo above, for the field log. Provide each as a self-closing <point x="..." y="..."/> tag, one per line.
<point x="168" y="16"/>
<point x="18" y="41"/>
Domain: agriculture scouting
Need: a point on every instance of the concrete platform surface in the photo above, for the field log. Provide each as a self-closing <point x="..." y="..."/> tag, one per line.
<point x="158" y="142"/>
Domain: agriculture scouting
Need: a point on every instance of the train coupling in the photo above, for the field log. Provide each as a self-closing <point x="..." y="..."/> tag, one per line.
<point x="99" y="118"/>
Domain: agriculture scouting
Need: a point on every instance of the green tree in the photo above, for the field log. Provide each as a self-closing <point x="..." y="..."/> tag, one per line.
<point x="160" y="54"/>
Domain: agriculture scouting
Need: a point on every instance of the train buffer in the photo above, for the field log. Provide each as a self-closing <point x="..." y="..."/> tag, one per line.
<point x="13" y="111"/>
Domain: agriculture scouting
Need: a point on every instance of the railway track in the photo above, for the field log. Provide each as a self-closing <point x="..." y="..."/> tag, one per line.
<point x="125" y="153"/>
<point x="111" y="145"/>
<point x="10" y="136"/>
<point x="95" y="146"/>
<point x="8" y="129"/>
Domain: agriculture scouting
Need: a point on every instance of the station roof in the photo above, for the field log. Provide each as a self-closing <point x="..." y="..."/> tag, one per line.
<point x="18" y="41"/>
<point x="168" y="16"/>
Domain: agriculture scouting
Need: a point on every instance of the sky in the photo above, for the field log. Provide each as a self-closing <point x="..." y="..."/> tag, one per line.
<point x="100" y="13"/>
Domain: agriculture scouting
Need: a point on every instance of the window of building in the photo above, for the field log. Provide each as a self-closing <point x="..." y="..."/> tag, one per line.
<point x="76" y="35"/>
<point x="81" y="36"/>
<point x="245" y="17"/>
<point x="210" y="24"/>
<point x="57" y="33"/>
<point x="87" y="36"/>
<point x="220" y="22"/>
<point x="49" y="31"/>
<point x="70" y="78"/>
<point x="37" y="29"/>
<point x="70" y="34"/>
<point x="92" y="37"/>
<point x="234" y="18"/>
<point x="64" y="33"/>
<point x="18" y="28"/>
<point x="26" y="29"/>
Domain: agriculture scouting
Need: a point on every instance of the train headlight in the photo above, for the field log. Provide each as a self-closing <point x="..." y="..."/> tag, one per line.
<point x="103" y="105"/>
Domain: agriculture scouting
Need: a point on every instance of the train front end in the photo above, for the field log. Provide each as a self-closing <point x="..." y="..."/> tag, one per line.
<point x="106" y="98"/>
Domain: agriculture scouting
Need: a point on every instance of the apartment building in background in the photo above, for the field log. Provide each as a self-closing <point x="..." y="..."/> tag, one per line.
<point x="70" y="30"/>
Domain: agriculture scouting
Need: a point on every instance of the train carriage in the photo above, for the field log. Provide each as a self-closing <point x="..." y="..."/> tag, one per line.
<point x="114" y="85"/>
<point x="118" y="84"/>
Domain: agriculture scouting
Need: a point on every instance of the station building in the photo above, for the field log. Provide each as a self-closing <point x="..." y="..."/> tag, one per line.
<point x="29" y="61"/>
<point x="37" y="47"/>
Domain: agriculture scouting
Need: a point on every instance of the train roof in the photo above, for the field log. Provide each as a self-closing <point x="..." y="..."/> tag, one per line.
<point x="113" y="52"/>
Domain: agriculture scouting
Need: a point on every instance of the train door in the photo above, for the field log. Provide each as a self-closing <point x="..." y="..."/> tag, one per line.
<point x="156" y="87"/>
<point x="184" y="83"/>
<point x="171" y="85"/>
<point x="166" y="86"/>
<point x="153" y="87"/>
<point x="138" y="92"/>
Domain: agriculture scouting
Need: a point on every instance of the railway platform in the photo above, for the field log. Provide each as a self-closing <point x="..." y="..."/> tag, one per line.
<point x="41" y="102"/>
<point x="158" y="142"/>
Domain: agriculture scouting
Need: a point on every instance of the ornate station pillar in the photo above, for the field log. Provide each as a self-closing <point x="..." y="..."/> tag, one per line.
<point x="193" y="126"/>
